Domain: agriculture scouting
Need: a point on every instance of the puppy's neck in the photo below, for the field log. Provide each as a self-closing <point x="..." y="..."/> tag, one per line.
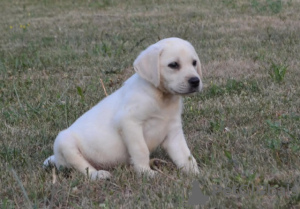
<point x="166" y="97"/>
<point x="159" y="93"/>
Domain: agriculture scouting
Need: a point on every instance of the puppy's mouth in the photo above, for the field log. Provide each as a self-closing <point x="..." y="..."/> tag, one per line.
<point x="190" y="91"/>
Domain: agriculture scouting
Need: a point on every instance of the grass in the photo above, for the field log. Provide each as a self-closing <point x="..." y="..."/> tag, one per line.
<point x="243" y="128"/>
<point x="277" y="72"/>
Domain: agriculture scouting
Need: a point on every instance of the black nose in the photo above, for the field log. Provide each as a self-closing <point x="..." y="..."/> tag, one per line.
<point x="194" y="82"/>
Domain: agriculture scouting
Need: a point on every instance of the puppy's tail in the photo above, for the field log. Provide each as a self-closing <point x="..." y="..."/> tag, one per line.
<point x="50" y="161"/>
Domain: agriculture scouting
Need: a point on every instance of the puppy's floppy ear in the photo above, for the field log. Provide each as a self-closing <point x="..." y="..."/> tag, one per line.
<point x="147" y="64"/>
<point x="199" y="70"/>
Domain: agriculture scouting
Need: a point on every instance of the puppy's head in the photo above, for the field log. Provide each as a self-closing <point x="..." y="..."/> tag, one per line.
<point x="172" y="65"/>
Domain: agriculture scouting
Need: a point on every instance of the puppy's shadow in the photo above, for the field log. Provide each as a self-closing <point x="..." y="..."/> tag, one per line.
<point x="62" y="171"/>
<point x="160" y="153"/>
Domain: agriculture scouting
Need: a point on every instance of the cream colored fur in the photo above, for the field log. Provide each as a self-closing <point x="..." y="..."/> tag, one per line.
<point x="133" y="121"/>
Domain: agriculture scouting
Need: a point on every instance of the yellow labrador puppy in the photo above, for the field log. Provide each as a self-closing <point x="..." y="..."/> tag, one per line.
<point x="143" y="114"/>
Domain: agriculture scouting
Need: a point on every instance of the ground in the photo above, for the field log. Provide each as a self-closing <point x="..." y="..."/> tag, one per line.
<point x="243" y="129"/>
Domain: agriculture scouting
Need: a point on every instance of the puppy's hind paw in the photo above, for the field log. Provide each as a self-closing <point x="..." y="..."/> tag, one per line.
<point x="49" y="162"/>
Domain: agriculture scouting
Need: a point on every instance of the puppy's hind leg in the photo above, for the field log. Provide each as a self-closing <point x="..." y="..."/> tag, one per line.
<point x="50" y="161"/>
<point x="77" y="161"/>
<point x="68" y="154"/>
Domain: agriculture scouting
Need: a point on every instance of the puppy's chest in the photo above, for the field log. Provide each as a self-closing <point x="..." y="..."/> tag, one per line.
<point x="155" y="131"/>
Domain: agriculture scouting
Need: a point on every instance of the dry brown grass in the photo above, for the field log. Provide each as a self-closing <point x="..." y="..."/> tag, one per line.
<point x="71" y="44"/>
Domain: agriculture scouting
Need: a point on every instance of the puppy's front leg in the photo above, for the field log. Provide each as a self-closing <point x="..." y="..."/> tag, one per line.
<point x="176" y="147"/>
<point x="132" y="134"/>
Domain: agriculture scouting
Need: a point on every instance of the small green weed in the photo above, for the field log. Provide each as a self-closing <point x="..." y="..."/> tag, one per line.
<point x="277" y="72"/>
<point x="217" y="125"/>
<point x="80" y="93"/>
<point x="282" y="138"/>
<point x="275" y="6"/>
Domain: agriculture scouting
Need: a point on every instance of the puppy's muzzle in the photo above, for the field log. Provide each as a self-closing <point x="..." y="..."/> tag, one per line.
<point x="194" y="82"/>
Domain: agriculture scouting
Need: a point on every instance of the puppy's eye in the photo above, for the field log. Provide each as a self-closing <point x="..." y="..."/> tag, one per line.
<point x="194" y="63"/>
<point x="174" y="65"/>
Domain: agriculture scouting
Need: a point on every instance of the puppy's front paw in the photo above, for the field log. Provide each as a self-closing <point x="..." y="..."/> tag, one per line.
<point x="195" y="170"/>
<point x="191" y="166"/>
<point x="102" y="174"/>
<point x="145" y="171"/>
